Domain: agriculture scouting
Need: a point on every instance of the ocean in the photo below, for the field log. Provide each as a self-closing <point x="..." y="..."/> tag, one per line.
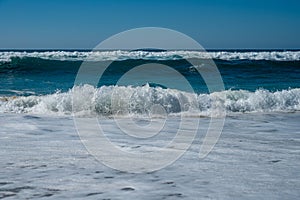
<point x="257" y="155"/>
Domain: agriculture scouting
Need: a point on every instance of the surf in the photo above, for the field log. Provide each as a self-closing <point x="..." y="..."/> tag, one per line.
<point x="128" y="101"/>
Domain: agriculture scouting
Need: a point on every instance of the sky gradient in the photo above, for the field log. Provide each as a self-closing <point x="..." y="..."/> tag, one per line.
<point x="215" y="24"/>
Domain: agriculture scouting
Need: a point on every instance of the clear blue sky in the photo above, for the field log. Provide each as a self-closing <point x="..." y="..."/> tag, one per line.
<point x="213" y="23"/>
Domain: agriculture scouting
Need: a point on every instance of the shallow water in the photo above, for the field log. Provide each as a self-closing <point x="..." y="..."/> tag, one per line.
<point x="256" y="157"/>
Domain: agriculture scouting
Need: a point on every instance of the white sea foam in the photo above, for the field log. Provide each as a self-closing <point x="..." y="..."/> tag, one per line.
<point x="125" y="101"/>
<point x="6" y="56"/>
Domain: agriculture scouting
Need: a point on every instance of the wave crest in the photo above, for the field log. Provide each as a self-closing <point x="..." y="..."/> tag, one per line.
<point x="124" y="101"/>
<point x="6" y="56"/>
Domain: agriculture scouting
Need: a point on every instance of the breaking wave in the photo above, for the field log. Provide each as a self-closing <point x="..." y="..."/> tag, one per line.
<point x="128" y="100"/>
<point x="6" y="56"/>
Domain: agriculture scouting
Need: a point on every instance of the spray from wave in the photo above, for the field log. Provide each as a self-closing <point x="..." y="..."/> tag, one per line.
<point x="128" y="100"/>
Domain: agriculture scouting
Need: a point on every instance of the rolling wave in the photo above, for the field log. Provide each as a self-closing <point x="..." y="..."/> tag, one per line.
<point x="127" y="101"/>
<point x="6" y="56"/>
<point x="36" y="64"/>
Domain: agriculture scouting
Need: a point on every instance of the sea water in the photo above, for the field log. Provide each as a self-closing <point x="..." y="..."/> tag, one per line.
<point x="257" y="155"/>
